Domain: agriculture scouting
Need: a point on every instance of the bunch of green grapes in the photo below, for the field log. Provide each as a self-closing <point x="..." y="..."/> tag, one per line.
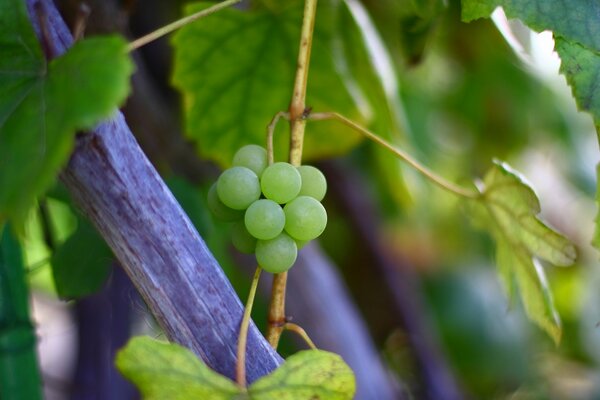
<point x="276" y="209"/>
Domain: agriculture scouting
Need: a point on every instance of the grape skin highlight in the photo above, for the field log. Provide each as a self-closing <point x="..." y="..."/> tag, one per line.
<point x="276" y="255"/>
<point x="280" y="182"/>
<point x="253" y="157"/>
<point x="314" y="183"/>
<point x="264" y="219"/>
<point x="238" y="187"/>
<point x="305" y="218"/>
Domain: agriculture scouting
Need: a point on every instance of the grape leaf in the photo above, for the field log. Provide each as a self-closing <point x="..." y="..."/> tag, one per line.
<point x="80" y="265"/>
<point x="309" y="374"/>
<point x="576" y="20"/>
<point x="168" y="371"/>
<point x="508" y="207"/>
<point x="580" y="65"/>
<point x="577" y="42"/>
<point x="42" y="104"/>
<point x="236" y="70"/>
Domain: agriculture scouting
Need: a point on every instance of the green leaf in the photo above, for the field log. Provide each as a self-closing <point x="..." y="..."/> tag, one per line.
<point x="580" y="65"/>
<point x="43" y="105"/>
<point x="309" y="374"/>
<point x="17" y="333"/>
<point x="576" y="20"/>
<point x="236" y="70"/>
<point x="168" y="371"/>
<point x="80" y="265"/>
<point x="511" y="209"/>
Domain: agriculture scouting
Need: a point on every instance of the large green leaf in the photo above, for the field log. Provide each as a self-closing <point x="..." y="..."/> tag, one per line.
<point x="580" y="65"/>
<point x="576" y="20"/>
<point x="80" y="265"/>
<point x="309" y="374"/>
<point x="168" y="371"/>
<point x="43" y="105"/>
<point x="509" y="208"/>
<point x="236" y="70"/>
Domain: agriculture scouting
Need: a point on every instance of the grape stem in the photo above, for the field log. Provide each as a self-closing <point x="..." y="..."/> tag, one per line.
<point x="289" y="326"/>
<point x="297" y="125"/>
<point x="271" y="132"/>
<point x="240" y="365"/>
<point x="173" y="26"/>
<point x="432" y="176"/>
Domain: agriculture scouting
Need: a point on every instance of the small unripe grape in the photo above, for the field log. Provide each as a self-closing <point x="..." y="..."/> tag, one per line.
<point x="305" y="218"/>
<point x="238" y="187"/>
<point x="276" y="255"/>
<point x="220" y="210"/>
<point x="253" y="157"/>
<point x="264" y="219"/>
<point x="280" y="182"/>
<point x="242" y="239"/>
<point x="314" y="183"/>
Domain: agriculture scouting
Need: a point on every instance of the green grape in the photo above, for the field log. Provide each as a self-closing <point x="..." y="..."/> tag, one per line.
<point x="264" y="219"/>
<point x="276" y="255"/>
<point x="220" y="210"/>
<point x="280" y="182"/>
<point x="242" y="239"/>
<point x="238" y="187"/>
<point x="251" y="156"/>
<point x="305" y="218"/>
<point x="313" y="182"/>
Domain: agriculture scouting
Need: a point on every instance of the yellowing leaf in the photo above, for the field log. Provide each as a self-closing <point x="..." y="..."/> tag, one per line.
<point x="163" y="371"/>
<point x="509" y="208"/>
<point x="307" y="375"/>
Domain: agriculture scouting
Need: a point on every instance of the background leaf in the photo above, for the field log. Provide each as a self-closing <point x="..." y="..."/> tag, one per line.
<point x="511" y="216"/>
<point x="309" y="374"/>
<point x="236" y="70"/>
<point x="167" y="371"/>
<point x="81" y="264"/>
<point x="44" y="104"/>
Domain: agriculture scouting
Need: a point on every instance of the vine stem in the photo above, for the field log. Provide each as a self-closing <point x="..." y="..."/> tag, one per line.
<point x="173" y="26"/>
<point x="297" y="125"/>
<point x="429" y="174"/>
<point x="240" y="365"/>
<point x="300" y="332"/>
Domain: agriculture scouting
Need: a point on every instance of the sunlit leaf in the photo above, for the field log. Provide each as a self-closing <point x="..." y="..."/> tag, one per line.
<point x="511" y="215"/>
<point x="163" y="370"/>
<point x="236" y="70"/>
<point x="43" y="105"/>
<point x="310" y="374"/>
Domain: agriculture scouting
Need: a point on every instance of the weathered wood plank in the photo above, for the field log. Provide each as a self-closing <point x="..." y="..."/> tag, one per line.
<point x="114" y="184"/>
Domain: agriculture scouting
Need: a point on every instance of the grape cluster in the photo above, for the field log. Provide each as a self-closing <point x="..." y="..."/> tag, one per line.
<point x="276" y="209"/>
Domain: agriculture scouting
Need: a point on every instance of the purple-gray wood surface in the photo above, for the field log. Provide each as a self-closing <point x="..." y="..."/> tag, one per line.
<point x="112" y="181"/>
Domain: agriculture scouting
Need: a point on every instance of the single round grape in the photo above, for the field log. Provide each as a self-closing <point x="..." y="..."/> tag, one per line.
<point x="280" y="182"/>
<point x="242" y="239"/>
<point x="264" y="219"/>
<point x="276" y="255"/>
<point x="220" y="210"/>
<point x="314" y="183"/>
<point x="238" y="187"/>
<point x="305" y="218"/>
<point x="251" y="156"/>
